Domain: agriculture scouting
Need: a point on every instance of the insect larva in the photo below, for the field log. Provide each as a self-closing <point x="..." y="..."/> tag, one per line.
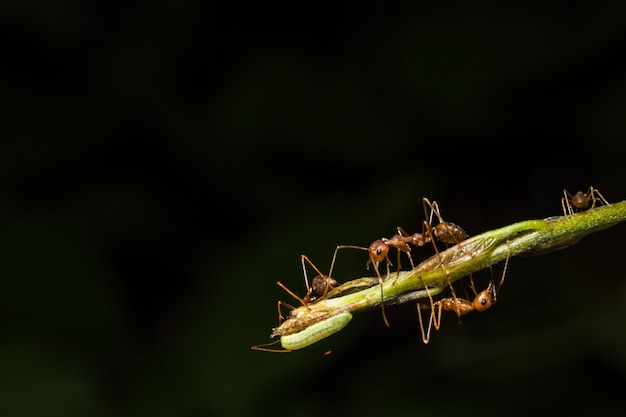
<point x="316" y="332"/>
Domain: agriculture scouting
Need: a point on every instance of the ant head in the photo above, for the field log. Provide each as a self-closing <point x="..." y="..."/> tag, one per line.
<point x="485" y="299"/>
<point x="378" y="251"/>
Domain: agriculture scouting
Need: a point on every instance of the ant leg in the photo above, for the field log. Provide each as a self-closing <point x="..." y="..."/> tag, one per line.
<point x="398" y="242"/>
<point x="454" y="297"/>
<point x="284" y="287"/>
<point x="303" y="258"/>
<point x="330" y="281"/>
<point x="332" y="263"/>
<point x="434" y="209"/>
<point x="264" y="349"/>
<point x="432" y="306"/>
<point x="433" y="319"/>
<point x="600" y="197"/>
<point x="426" y="336"/>
<point x="425" y="333"/>
<point x="378" y="251"/>
<point x="488" y="297"/>
<point x="313" y="288"/>
<point x="382" y="296"/>
<point x="566" y="201"/>
<point x="472" y="285"/>
<point x="591" y="195"/>
<point x="506" y="264"/>
<point x="408" y="254"/>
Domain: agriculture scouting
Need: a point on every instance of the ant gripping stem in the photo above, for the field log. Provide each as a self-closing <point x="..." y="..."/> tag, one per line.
<point x="482" y="301"/>
<point x="581" y="201"/>
<point x="446" y="232"/>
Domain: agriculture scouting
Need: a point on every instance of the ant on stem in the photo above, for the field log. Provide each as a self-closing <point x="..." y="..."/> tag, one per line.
<point x="482" y="301"/>
<point x="320" y="286"/>
<point x="446" y="232"/>
<point x="378" y="250"/>
<point x="581" y="201"/>
<point x="443" y="231"/>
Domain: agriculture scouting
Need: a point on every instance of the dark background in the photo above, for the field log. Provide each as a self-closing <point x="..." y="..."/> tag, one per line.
<point x="163" y="165"/>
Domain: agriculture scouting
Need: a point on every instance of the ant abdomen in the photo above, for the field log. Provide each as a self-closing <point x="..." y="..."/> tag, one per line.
<point x="449" y="233"/>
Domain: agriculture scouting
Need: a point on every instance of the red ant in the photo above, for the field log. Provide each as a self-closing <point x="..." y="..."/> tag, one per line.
<point x="482" y="301"/>
<point x="443" y="231"/>
<point x="581" y="201"/>
<point x="320" y="286"/>
<point x="379" y="251"/>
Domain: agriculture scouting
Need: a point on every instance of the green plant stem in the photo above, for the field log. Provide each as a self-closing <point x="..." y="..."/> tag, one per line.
<point x="531" y="237"/>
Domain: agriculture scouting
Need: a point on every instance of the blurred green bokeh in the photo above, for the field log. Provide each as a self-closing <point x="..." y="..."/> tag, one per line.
<point x="163" y="165"/>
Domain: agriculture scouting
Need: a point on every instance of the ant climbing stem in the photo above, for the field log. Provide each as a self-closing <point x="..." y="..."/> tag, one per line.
<point x="482" y="301"/>
<point x="581" y="201"/>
